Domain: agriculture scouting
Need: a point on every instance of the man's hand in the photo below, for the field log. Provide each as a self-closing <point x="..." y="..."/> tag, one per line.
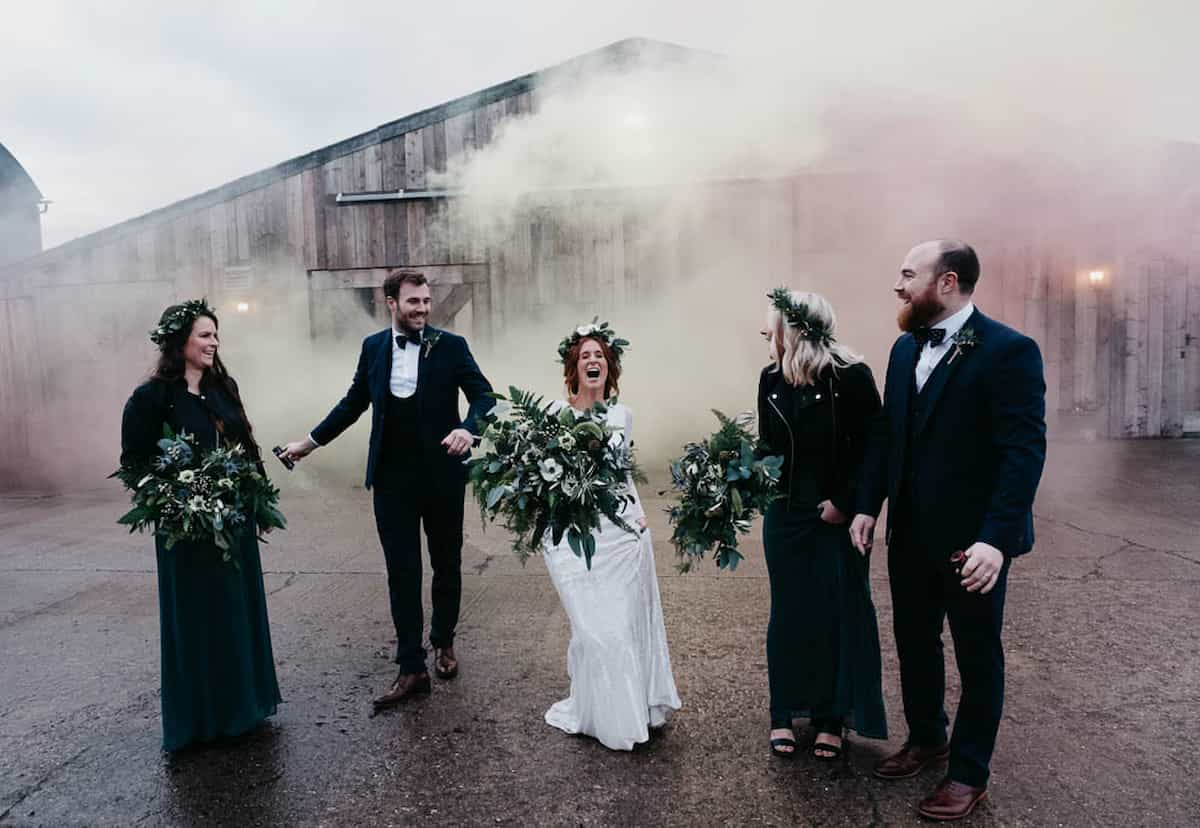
<point x="830" y="513"/>
<point x="298" y="450"/>
<point x="458" y="442"/>
<point x="862" y="532"/>
<point x="982" y="569"/>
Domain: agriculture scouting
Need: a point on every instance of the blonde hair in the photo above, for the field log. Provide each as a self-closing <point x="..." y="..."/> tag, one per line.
<point x="802" y="360"/>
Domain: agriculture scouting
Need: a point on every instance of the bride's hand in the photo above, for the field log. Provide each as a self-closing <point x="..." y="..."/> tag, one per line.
<point x="641" y="522"/>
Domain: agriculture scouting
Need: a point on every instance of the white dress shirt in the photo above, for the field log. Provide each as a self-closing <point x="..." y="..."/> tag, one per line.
<point x="931" y="355"/>
<point x="405" y="364"/>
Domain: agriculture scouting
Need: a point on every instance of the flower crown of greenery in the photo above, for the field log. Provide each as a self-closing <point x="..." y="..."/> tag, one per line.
<point x="179" y="319"/>
<point x="593" y="330"/>
<point x="811" y="328"/>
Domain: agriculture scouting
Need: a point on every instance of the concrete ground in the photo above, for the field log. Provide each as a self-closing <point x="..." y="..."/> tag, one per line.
<point x="1101" y="726"/>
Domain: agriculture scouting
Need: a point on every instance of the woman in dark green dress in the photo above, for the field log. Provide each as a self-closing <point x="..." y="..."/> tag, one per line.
<point x="815" y="402"/>
<point x="218" y="672"/>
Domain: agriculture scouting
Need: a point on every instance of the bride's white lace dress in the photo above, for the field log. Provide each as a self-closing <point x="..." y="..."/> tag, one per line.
<point x="621" y="681"/>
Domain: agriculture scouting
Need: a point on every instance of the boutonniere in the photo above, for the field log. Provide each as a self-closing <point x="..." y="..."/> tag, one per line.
<point x="430" y="340"/>
<point x="963" y="341"/>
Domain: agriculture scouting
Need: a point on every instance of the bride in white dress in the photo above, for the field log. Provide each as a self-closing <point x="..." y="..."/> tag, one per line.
<point x="621" y="682"/>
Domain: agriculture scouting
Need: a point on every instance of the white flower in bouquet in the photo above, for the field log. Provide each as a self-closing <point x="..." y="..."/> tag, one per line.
<point x="531" y="456"/>
<point x="196" y="504"/>
<point x="187" y="476"/>
<point x="566" y="442"/>
<point x="550" y="469"/>
<point x="225" y="483"/>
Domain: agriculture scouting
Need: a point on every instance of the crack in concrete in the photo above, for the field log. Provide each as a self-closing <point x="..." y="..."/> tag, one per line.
<point x="1181" y="554"/>
<point x="30" y="790"/>
<point x="287" y="583"/>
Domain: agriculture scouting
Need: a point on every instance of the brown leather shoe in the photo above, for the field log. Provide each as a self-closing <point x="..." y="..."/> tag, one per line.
<point x="404" y="687"/>
<point x="910" y="760"/>
<point x="445" y="664"/>
<point x="951" y="800"/>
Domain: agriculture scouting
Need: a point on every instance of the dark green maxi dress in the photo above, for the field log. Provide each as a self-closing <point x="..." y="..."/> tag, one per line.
<point x="218" y="671"/>
<point x="823" y="660"/>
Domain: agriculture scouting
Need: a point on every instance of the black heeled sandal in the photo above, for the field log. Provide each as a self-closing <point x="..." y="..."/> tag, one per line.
<point x="781" y="742"/>
<point x="831" y="752"/>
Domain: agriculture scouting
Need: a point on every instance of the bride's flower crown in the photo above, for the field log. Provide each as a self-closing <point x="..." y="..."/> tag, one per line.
<point x="811" y="328"/>
<point x="593" y="330"/>
<point x="179" y="319"/>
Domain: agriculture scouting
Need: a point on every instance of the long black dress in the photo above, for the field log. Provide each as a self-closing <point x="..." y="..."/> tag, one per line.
<point x="823" y="657"/>
<point x="218" y="671"/>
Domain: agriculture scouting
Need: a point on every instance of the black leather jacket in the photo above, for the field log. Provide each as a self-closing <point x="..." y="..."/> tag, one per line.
<point x="820" y="430"/>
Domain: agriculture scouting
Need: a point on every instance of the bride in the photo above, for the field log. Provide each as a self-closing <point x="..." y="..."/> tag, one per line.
<point x="621" y="682"/>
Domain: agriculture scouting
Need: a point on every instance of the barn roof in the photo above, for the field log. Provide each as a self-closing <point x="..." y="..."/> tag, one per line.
<point x="631" y="51"/>
<point x="14" y="178"/>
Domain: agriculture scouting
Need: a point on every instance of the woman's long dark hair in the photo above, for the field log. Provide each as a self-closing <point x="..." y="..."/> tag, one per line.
<point x="171" y="364"/>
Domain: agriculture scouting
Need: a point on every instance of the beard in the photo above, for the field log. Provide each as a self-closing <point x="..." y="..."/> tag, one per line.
<point x="411" y="321"/>
<point x="918" y="312"/>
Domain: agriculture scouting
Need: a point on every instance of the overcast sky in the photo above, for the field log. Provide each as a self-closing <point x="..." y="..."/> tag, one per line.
<point x="116" y="108"/>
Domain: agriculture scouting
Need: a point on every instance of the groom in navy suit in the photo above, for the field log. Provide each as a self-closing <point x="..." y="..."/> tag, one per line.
<point x="958" y="452"/>
<point x="410" y="376"/>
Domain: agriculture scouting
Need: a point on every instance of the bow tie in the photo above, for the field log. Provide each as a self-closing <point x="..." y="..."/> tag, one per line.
<point x="403" y="339"/>
<point x="933" y="336"/>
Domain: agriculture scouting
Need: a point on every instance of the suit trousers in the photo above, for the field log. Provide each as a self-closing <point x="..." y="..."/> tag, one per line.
<point x="400" y="511"/>
<point x="925" y="592"/>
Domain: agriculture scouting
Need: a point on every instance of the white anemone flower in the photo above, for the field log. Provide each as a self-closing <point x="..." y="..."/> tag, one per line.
<point x="550" y="469"/>
<point x="187" y="476"/>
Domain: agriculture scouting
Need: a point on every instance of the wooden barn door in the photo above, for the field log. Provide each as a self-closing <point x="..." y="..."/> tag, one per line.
<point x="461" y="299"/>
<point x="1155" y="388"/>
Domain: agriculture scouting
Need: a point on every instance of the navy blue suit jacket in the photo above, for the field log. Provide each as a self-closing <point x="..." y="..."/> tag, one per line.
<point x="443" y="370"/>
<point x="979" y="441"/>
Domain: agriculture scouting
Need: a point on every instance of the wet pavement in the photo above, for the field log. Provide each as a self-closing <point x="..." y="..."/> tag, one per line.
<point x="1101" y="725"/>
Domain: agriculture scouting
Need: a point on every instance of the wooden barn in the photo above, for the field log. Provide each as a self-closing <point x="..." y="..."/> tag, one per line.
<point x="1115" y="304"/>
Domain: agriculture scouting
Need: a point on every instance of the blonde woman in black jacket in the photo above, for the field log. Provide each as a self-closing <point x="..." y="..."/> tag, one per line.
<point x="815" y="402"/>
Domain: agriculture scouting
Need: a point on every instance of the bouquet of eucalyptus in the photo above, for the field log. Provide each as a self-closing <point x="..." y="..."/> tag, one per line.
<point x="721" y="484"/>
<point x="212" y="497"/>
<point x="552" y="471"/>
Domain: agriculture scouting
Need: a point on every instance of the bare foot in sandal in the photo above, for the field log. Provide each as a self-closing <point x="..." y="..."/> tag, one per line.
<point x="827" y="746"/>
<point x="783" y="742"/>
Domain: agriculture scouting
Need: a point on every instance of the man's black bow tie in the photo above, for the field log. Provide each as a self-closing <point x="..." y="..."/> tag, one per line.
<point x="403" y="339"/>
<point x="934" y="336"/>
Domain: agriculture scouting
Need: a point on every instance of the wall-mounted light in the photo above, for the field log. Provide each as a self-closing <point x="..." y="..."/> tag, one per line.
<point x="1096" y="277"/>
<point x="243" y="307"/>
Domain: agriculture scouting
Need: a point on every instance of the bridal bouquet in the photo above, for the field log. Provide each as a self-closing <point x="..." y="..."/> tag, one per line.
<point x="722" y="485"/>
<point x="551" y="471"/>
<point x="214" y="497"/>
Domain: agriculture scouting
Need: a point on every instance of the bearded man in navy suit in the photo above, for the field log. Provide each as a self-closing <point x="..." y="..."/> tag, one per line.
<point x="958" y="452"/>
<point x="410" y="376"/>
